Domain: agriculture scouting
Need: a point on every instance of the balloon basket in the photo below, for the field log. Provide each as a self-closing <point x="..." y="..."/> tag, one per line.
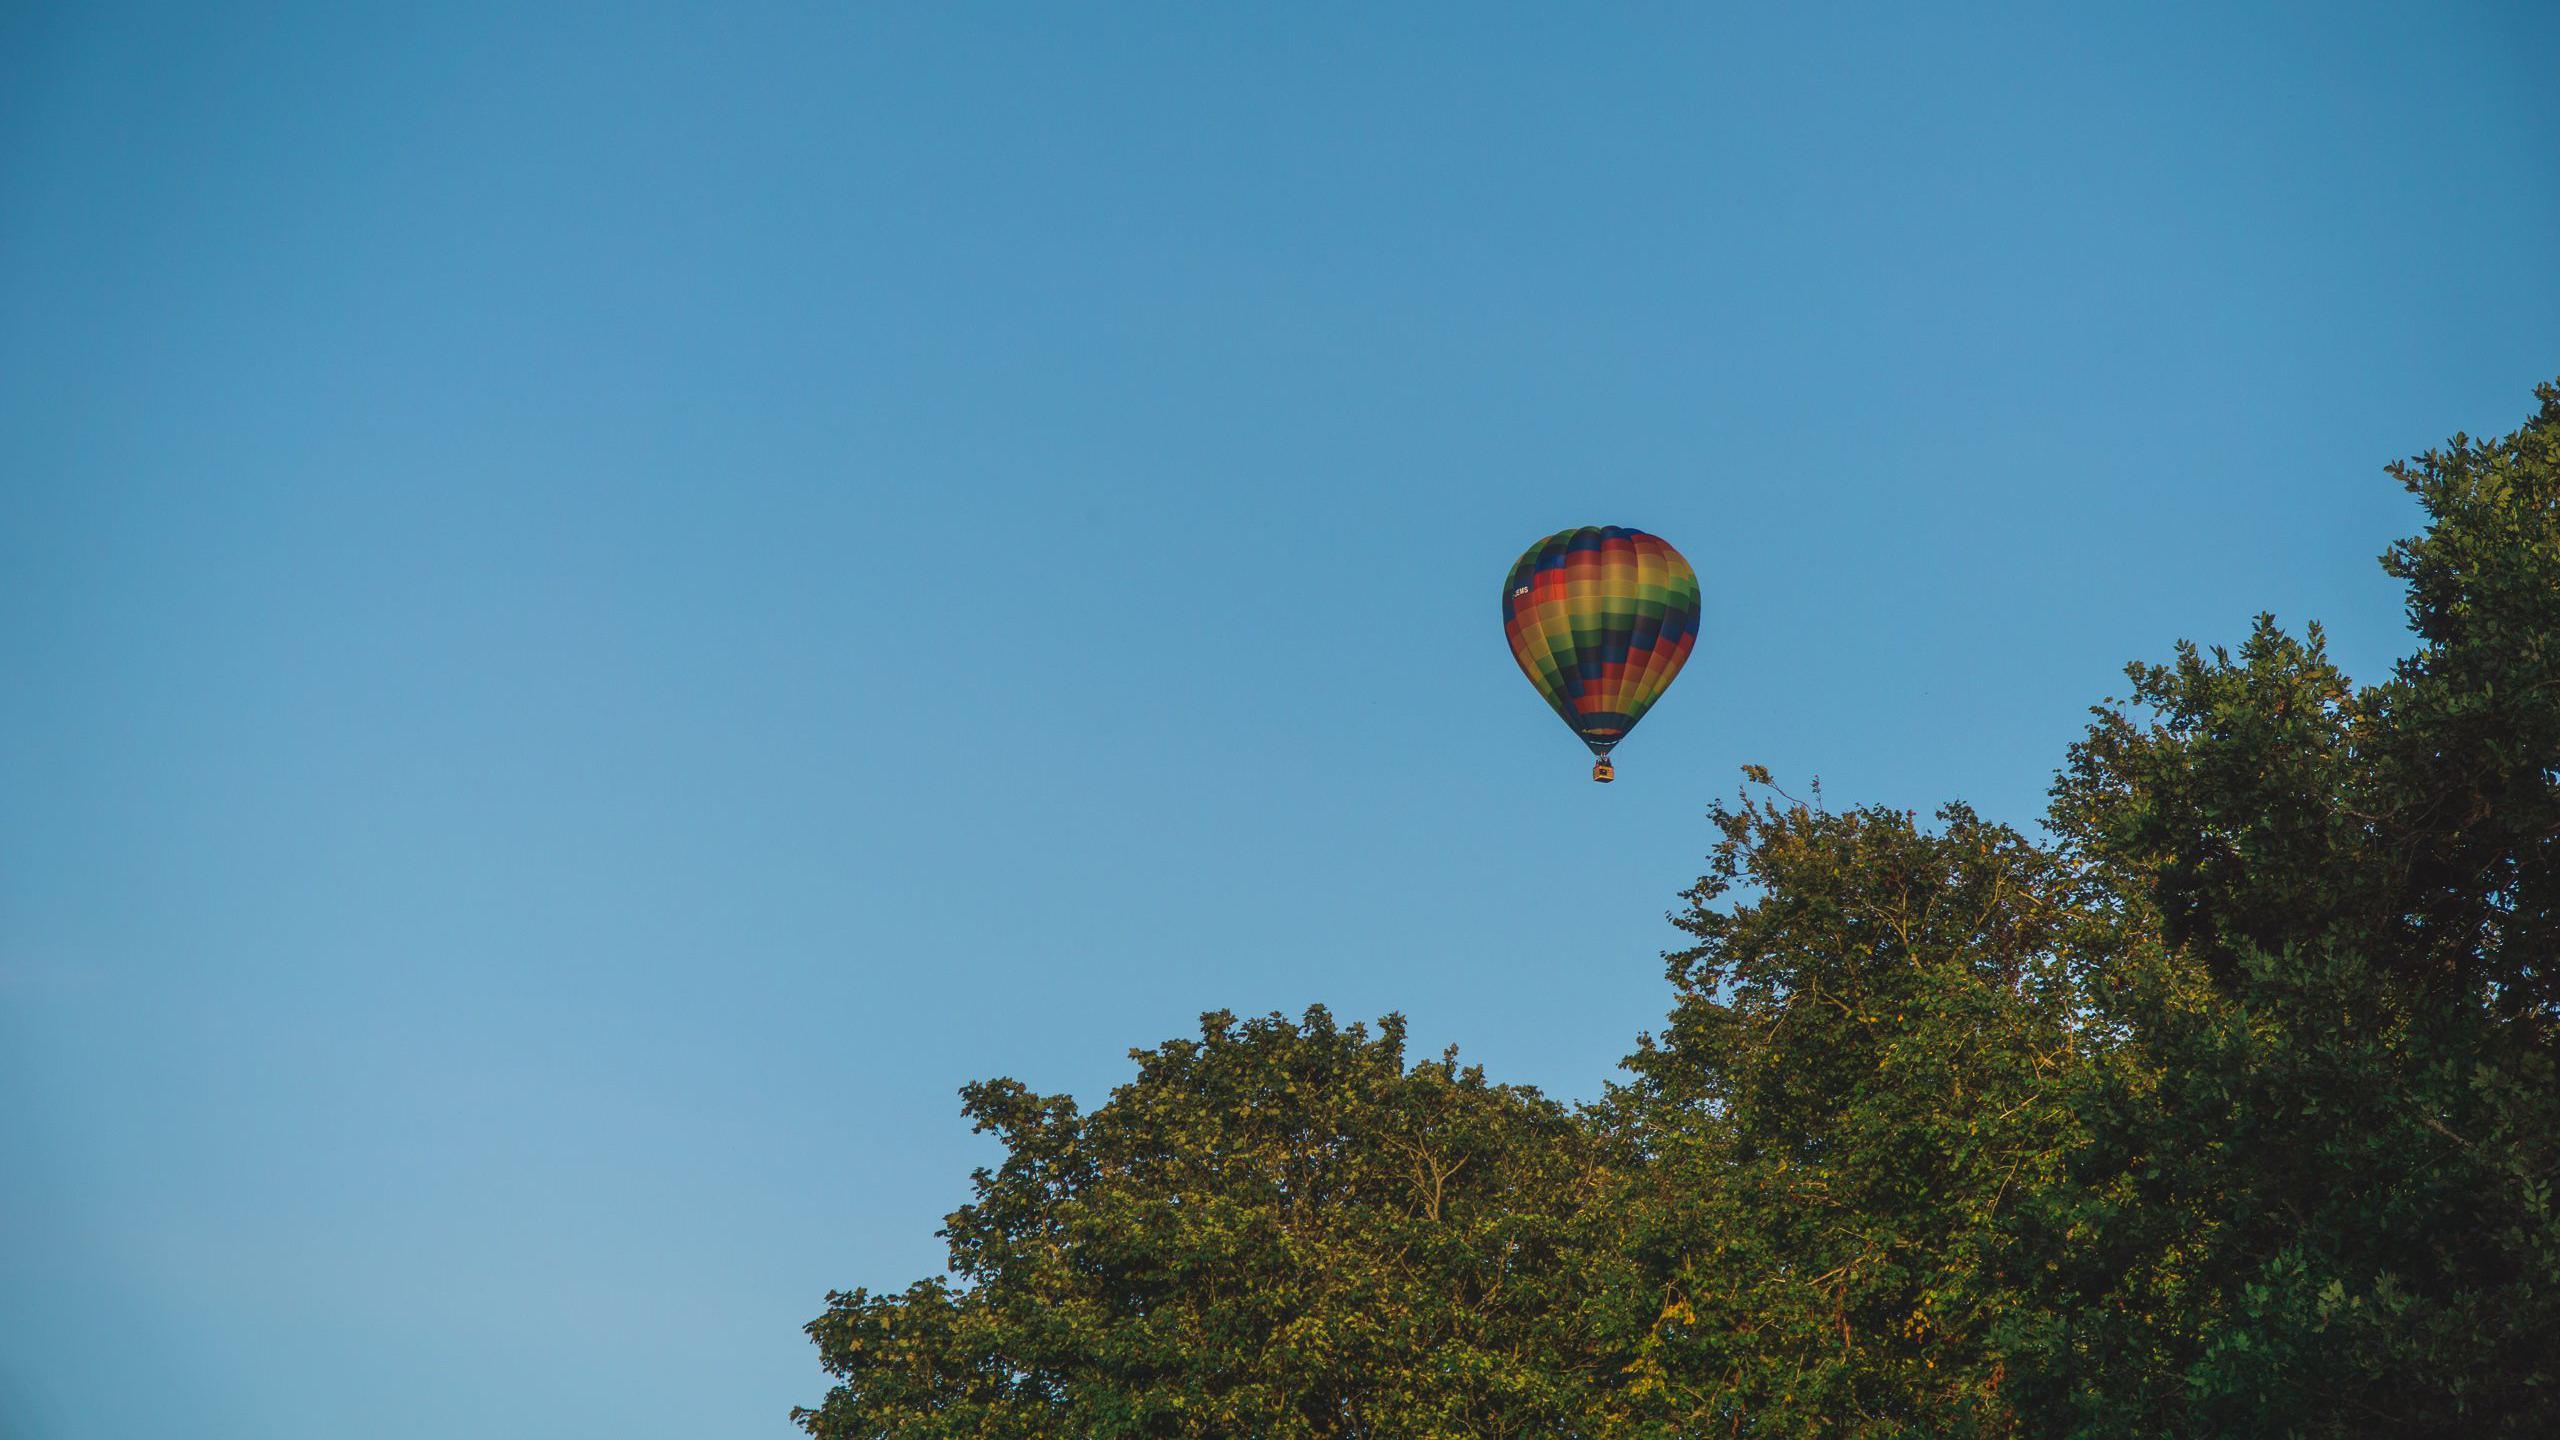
<point x="1603" y="771"/>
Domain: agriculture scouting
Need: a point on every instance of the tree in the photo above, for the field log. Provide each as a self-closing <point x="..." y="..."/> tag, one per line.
<point x="1860" y="1094"/>
<point x="1277" y="1230"/>
<point x="2320" y="1167"/>
<point x="2229" y="1108"/>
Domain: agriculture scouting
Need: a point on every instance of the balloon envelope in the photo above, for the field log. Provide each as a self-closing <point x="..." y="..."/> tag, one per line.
<point x="1600" y="619"/>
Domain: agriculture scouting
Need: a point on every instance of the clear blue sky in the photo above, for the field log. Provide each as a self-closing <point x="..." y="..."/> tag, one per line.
<point x="599" y="606"/>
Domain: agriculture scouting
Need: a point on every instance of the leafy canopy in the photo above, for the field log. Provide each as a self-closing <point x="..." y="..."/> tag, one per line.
<point x="2225" y="1108"/>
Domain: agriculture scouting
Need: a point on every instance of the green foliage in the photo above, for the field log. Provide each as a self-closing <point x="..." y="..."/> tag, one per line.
<point x="2318" y="1184"/>
<point x="2230" y="1109"/>
<point x="1860" y="1088"/>
<point x="1275" y="1230"/>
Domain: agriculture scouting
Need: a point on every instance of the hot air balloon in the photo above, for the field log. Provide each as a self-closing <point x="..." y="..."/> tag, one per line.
<point x="1600" y="619"/>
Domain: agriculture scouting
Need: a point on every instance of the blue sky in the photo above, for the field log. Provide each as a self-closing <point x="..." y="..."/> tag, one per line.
<point x="600" y="605"/>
